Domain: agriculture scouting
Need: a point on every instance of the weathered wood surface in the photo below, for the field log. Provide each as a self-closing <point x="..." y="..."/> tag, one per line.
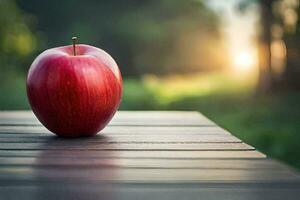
<point x="139" y="155"/>
<point x="125" y="118"/>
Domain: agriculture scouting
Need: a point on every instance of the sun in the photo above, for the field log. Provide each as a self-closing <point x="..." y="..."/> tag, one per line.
<point x="244" y="61"/>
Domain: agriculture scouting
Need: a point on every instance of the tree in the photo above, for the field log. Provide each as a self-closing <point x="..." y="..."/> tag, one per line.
<point x="282" y="14"/>
<point x="288" y="17"/>
<point x="150" y="36"/>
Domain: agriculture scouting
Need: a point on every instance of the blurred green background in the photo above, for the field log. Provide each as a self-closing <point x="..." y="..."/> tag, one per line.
<point x="236" y="61"/>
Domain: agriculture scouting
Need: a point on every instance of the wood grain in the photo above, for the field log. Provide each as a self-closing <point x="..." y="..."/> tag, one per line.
<point x="123" y="118"/>
<point x="132" y="130"/>
<point x="232" y="191"/>
<point x="127" y="146"/>
<point x="146" y="175"/>
<point x="134" y="154"/>
<point x="153" y="138"/>
<point x="149" y="163"/>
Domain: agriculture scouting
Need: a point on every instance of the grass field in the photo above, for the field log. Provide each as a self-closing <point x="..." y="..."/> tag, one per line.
<point x="268" y="122"/>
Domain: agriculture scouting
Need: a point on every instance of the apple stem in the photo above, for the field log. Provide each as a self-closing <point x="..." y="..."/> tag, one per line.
<point x="74" y="39"/>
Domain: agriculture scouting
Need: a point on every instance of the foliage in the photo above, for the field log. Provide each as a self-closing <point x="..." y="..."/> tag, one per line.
<point x="152" y="36"/>
<point x="17" y="42"/>
<point x="13" y="91"/>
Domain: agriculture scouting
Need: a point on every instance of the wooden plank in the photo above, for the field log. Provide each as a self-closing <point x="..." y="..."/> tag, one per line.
<point x="83" y="194"/>
<point x="71" y="162"/>
<point x="18" y="117"/>
<point x="133" y="154"/>
<point x="185" y="138"/>
<point x="132" y="130"/>
<point x="126" y="146"/>
<point x="151" y="191"/>
<point x="137" y="175"/>
<point x="176" y="118"/>
<point x="123" y="118"/>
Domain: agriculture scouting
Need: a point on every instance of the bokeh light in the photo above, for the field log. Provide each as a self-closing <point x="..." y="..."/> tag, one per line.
<point x="244" y="61"/>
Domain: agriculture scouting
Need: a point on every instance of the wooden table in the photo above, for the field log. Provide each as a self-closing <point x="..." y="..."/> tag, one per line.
<point x="140" y="155"/>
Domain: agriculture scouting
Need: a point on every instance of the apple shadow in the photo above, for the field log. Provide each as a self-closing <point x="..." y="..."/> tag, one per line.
<point x="77" y="168"/>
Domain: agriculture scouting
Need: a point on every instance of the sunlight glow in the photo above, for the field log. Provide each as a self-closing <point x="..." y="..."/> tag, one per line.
<point x="244" y="61"/>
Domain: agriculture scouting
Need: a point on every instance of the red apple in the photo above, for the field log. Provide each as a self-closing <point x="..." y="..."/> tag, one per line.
<point x="74" y="90"/>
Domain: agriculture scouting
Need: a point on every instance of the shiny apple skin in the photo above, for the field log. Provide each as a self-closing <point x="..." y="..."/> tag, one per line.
<point x="74" y="96"/>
